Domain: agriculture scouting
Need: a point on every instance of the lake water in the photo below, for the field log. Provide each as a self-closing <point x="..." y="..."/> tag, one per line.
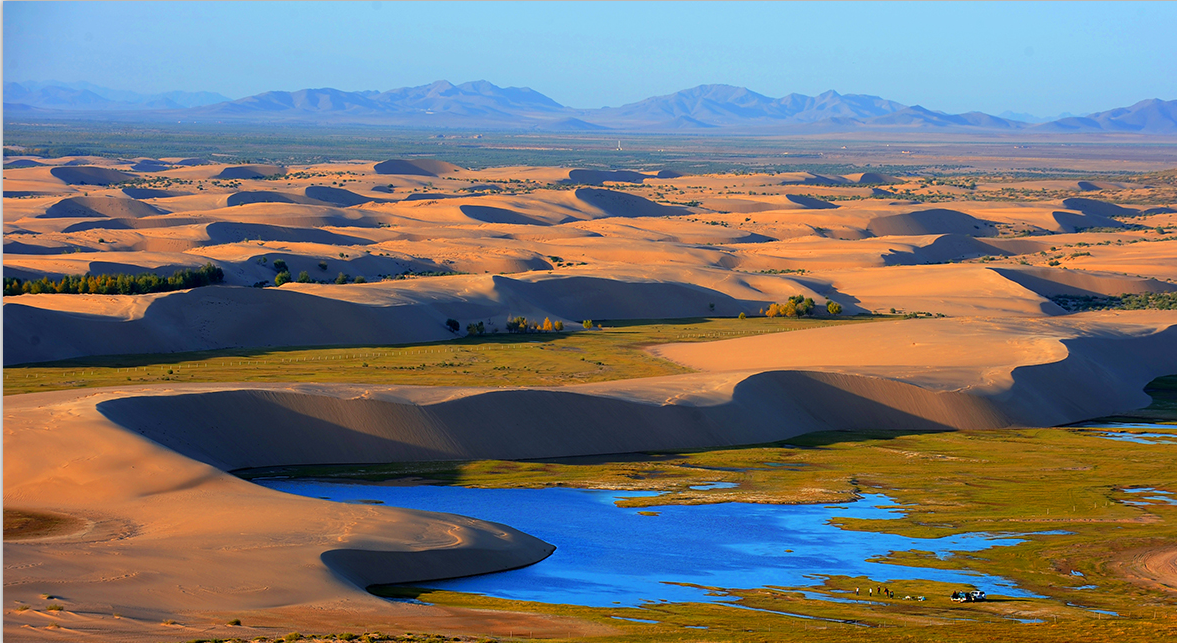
<point x="612" y="556"/>
<point x="1135" y="432"/>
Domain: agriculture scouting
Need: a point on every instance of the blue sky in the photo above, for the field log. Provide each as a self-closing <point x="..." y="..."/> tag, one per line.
<point x="1037" y="58"/>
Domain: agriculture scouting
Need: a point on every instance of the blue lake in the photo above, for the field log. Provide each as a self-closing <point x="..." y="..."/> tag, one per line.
<point x="1135" y="432"/>
<point x="612" y="556"/>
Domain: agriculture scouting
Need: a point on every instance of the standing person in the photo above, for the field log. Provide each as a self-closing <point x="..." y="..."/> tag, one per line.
<point x="856" y="591"/>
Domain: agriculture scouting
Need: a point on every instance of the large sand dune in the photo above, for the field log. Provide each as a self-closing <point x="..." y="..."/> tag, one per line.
<point x="88" y="207"/>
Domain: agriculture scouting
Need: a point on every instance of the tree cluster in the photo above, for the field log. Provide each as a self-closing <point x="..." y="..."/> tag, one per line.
<point x="522" y="325"/>
<point x="117" y="284"/>
<point x="796" y="306"/>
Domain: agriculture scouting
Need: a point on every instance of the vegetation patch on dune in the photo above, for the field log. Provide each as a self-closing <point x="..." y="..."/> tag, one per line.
<point x="612" y="351"/>
<point x="21" y="524"/>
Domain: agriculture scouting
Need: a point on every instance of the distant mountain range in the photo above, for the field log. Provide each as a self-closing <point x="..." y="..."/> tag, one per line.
<point x="482" y="105"/>
<point x="89" y="97"/>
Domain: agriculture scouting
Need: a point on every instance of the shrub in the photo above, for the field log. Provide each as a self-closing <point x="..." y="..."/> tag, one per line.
<point x="475" y="328"/>
<point x="282" y="278"/>
<point x="453" y="325"/>
<point x="360" y="279"/>
<point x="588" y="323"/>
<point x="548" y="325"/>
<point x="743" y="316"/>
<point x="304" y="277"/>
<point x="235" y="621"/>
<point x="54" y="608"/>
<point x="834" y="308"/>
<point x="342" y="279"/>
<point x="280" y="265"/>
<point x="559" y="326"/>
<point x="323" y="265"/>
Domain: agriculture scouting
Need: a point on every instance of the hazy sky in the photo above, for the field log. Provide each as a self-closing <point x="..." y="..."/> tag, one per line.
<point x="1038" y="58"/>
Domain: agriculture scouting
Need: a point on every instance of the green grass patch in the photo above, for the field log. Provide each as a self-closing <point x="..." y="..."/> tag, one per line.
<point x="502" y="360"/>
<point x="1063" y="490"/>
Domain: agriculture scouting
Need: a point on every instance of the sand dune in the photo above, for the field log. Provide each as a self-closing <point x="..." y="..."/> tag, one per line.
<point x="96" y="206"/>
<point x="21" y="164"/>
<point x="335" y="196"/>
<point x="229" y="232"/>
<point x="934" y="221"/>
<point x="809" y="203"/>
<point x="1071" y="222"/>
<point x="237" y="548"/>
<point x="249" y="172"/>
<point x="620" y="204"/>
<point x="1050" y="282"/>
<point x="149" y="193"/>
<point x="871" y="178"/>
<point x="266" y="196"/>
<point x="416" y="167"/>
<point x="1098" y="208"/>
<point x="599" y="177"/>
<point x="87" y="175"/>
<point x="491" y="214"/>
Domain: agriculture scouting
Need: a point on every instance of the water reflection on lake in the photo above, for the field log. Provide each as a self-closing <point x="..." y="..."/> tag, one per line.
<point x="608" y="555"/>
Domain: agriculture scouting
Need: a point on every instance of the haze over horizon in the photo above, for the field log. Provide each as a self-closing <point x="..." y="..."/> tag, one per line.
<point x="1041" y="59"/>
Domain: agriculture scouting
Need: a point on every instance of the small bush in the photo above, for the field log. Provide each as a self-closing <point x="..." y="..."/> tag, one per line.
<point x="588" y="323"/>
<point x="280" y="266"/>
<point x="453" y="325"/>
<point x="833" y="308"/>
<point x="293" y="636"/>
<point x="235" y="621"/>
<point x="323" y="265"/>
<point x="282" y="278"/>
<point x="342" y="279"/>
<point x="304" y="277"/>
<point x="743" y="316"/>
<point x="55" y="608"/>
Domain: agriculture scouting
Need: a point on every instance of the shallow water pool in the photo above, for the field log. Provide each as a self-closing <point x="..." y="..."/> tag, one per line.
<point x="608" y="555"/>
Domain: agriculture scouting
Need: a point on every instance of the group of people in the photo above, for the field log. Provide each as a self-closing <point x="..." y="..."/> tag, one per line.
<point x="881" y="591"/>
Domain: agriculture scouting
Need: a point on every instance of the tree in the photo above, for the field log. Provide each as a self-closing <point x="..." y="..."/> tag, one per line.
<point x="588" y="323"/>
<point x="304" y="277"/>
<point x="517" y="325"/>
<point x="342" y="279"/>
<point x="834" y="307"/>
<point x="743" y="316"/>
<point x="282" y="277"/>
<point x="360" y="279"/>
<point x="453" y="325"/>
<point x="547" y="327"/>
<point x="475" y="328"/>
<point x="280" y="266"/>
<point x="559" y="326"/>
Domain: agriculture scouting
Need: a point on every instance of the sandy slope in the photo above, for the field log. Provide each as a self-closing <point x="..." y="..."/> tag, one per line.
<point x="234" y="548"/>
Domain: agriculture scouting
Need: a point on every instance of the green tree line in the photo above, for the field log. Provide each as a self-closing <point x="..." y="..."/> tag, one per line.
<point x="117" y="284"/>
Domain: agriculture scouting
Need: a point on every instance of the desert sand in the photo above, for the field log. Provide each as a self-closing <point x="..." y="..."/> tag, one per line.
<point x="169" y="534"/>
